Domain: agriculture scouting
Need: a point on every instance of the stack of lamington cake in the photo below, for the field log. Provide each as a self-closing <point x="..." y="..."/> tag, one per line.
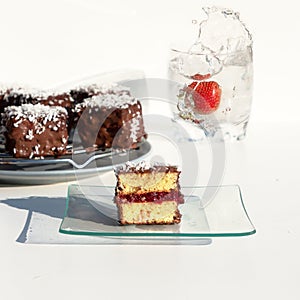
<point x="37" y="123"/>
<point x="148" y="194"/>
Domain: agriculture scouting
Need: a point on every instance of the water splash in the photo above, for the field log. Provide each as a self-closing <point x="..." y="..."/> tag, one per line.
<point x="221" y="33"/>
<point x="221" y="52"/>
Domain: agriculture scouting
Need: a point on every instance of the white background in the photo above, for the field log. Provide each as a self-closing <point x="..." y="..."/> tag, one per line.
<point x="47" y="43"/>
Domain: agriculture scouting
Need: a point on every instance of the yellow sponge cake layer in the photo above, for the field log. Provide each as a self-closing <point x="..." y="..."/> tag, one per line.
<point x="149" y="213"/>
<point x="139" y="183"/>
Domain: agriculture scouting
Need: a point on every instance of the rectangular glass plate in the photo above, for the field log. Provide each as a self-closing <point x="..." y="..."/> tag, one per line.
<point x="207" y="212"/>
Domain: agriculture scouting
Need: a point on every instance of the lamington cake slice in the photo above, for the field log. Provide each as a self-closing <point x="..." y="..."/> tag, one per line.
<point x="63" y="99"/>
<point x="87" y="91"/>
<point x="35" y="130"/>
<point x="110" y="121"/>
<point x="18" y="95"/>
<point x="148" y="194"/>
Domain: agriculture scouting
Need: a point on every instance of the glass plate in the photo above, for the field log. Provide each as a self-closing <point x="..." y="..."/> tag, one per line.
<point x="207" y="212"/>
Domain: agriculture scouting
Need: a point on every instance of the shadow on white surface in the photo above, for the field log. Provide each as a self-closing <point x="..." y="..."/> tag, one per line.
<point x="45" y="215"/>
<point x="51" y="207"/>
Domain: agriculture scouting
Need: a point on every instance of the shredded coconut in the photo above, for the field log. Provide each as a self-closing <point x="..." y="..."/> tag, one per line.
<point x="111" y="88"/>
<point x="109" y="101"/>
<point x="141" y="166"/>
<point x="26" y="92"/>
<point x="134" y="128"/>
<point x="29" y="135"/>
<point x="32" y="112"/>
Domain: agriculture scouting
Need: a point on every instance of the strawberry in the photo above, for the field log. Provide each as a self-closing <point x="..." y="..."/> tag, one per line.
<point x="199" y="76"/>
<point x="206" y="96"/>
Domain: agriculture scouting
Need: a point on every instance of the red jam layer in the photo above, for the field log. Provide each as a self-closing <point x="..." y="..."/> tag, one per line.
<point x="157" y="197"/>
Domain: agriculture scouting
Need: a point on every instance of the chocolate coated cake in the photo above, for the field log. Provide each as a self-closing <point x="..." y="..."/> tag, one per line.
<point x="16" y="96"/>
<point x="110" y="120"/>
<point x="109" y="116"/>
<point x="87" y="91"/>
<point x="35" y="130"/>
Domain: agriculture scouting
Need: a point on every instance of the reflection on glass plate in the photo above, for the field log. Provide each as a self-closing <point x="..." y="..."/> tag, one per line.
<point x="90" y="211"/>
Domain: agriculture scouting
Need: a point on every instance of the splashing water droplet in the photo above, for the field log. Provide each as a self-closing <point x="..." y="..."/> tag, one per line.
<point x="222" y="32"/>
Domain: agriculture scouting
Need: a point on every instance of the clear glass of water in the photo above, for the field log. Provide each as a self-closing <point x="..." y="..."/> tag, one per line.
<point x="216" y="66"/>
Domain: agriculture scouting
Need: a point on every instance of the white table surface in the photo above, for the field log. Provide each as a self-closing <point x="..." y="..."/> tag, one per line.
<point x="43" y="46"/>
<point x="265" y="265"/>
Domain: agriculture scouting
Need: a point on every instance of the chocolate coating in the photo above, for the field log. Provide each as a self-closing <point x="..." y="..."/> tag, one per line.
<point x="111" y="127"/>
<point x="29" y="137"/>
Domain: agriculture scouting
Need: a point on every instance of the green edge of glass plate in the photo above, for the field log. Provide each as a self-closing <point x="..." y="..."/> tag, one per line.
<point x="170" y="235"/>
